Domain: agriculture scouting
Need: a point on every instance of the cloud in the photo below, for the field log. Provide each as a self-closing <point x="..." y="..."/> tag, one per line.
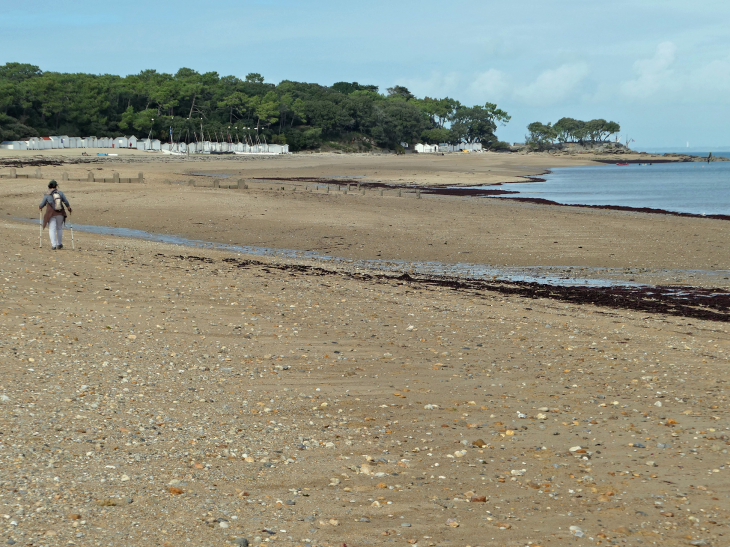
<point x="492" y="84"/>
<point x="553" y="86"/>
<point x="653" y="75"/>
<point x="711" y="81"/>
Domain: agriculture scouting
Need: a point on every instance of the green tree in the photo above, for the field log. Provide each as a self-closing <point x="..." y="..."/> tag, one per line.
<point x="478" y="123"/>
<point x="400" y="92"/>
<point x="540" y="135"/>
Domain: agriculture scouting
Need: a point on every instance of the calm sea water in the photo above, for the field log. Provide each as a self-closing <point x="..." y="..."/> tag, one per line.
<point x="698" y="188"/>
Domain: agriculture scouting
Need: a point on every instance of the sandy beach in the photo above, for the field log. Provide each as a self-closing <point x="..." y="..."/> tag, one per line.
<point x="158" y="394"/>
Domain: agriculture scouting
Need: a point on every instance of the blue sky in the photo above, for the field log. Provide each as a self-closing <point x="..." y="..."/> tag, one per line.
<point x="661" y="68"/>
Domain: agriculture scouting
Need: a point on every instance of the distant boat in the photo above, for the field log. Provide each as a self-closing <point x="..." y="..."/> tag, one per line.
<point x="622" y="163"/>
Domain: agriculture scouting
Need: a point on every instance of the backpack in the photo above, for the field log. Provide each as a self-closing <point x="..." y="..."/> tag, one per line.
<point x="57" y="201"/>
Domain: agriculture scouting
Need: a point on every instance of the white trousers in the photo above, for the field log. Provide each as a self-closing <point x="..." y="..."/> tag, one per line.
<point x="55" y="230"/>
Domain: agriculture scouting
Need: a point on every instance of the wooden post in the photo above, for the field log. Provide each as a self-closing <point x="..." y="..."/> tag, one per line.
<point x="217" y="183"/>
<point x="344" y="190"/>
<point x="13" y="174"/>
<point x="116" y="177"/>
<point x="328" y="188"/>
<point x="90" y="177"/>
<point x="358" y="186"/>
<point x="64" y="176"/>
<point x="399" y="192"/>
<point x="363" y="191"/>
<point x="140" y="177"/>
<point x="38" y="174"/>
<point x="381" y="191"/>
<point x="418" y="194"/>
<point x="241" y="184"/>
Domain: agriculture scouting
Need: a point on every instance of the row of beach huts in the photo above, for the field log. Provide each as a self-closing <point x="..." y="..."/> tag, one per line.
<point x="445" y="147"/>
<point x="203" y="147"/>
<point x="152" y="145"/>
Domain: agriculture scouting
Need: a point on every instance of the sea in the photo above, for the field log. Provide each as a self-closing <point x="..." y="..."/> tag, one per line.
<point x="697" y="188"/>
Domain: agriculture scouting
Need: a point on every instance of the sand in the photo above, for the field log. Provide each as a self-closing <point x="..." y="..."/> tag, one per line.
<point x="155" y="394"/>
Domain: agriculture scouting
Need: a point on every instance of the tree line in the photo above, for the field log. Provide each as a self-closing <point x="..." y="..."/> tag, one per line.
<point x="197" y="106"/>
<point x="570" y="130"/>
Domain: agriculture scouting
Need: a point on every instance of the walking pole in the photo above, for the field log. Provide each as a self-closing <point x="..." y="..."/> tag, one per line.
<point x="70" y="225"/>
<point x="40" y="230"/>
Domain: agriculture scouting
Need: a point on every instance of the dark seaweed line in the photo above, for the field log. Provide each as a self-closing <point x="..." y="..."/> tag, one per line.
<point x="683" y="301"/>
<point x="649" y="210"/>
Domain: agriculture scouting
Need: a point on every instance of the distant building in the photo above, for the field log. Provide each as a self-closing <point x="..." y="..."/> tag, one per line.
<point x="426" y="148"/>
<point x="13" y="145"/>
<point x="461" y="147"/>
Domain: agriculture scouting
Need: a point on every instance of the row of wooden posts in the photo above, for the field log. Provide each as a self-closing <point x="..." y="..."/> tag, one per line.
<point x="241" y="184"/>
<point x="90" y="177"/>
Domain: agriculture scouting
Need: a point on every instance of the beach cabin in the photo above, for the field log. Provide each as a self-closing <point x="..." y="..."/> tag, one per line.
<point x="88" y="142"/>
<point x="35" y="143"/>
<point x="64" y="141"/>
<point x="47" y="143"/>
<point x="149" y="145"/>
<point x="426" y="148"/>
<point x="132" y="140"/>
<point x="14" y="145"/>
<point x="55" y="142"/>
<point x="120" y="142"/>
<point x="104" y="142"/>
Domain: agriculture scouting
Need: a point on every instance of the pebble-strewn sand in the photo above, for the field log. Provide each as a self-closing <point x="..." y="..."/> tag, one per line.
<point x="154" y="394"/>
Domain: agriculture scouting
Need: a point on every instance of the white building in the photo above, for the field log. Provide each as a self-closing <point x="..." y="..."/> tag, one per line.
<point x="120" y="142"/>
<point x="426" y="148"/>
<point x="461" y="147"/>
<point x="147" y="144"/>
<point x="14" y="145"/>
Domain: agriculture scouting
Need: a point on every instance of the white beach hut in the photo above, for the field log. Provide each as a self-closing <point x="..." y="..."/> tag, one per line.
<point x="35" y="143"/>
<point x="14" y="145"/>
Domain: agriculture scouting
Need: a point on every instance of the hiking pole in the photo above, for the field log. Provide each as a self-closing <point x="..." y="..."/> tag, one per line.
<point x="40" y="230"/>
<point x="70" y="225"/>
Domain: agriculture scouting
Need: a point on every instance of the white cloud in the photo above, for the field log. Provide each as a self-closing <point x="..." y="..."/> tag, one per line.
<point x="711" y="81"/>
<point x="491" y="85"/>
<point x="653" y="75"/>
<point x="553" y="86"/>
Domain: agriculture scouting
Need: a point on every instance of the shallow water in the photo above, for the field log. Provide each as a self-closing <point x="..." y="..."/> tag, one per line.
<point x="566" y="276"/>
<point x="697" y="188"/>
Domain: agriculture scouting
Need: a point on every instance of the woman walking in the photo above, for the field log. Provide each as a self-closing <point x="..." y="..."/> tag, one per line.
<point x="55" y="215"/>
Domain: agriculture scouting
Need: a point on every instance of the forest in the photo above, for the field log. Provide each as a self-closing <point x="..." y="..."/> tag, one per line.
<point x="565" y="130"/>
<point x="194" y="106"/>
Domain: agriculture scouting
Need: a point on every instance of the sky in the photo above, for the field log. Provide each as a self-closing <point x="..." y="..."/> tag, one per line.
<point x="660" y="68"/>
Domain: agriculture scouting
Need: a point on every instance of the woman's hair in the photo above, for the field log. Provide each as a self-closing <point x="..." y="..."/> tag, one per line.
<point x="53" y="184"/>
